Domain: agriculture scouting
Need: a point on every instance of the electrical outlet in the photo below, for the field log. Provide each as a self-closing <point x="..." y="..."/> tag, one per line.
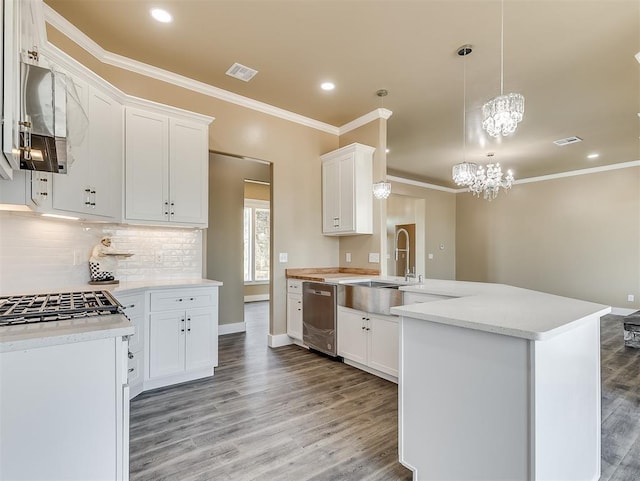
<point x="430" y="256"/>
<point x="347" y="257"/>
<point x="284" y="257"/>
<point x="158" y="257"/>
<point x="374" y="257"/>
<point x="630" y="298"/>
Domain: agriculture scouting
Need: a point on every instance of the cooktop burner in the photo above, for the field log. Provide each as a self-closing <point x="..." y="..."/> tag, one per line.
<point x="33" y="308"/>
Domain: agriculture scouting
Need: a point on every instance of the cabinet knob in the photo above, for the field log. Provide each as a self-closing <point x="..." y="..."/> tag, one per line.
<point x="130" y="355"/>
<point x="87" y="191"/>
<point x="363" y="328"/>
<point x="130" y="306"/>
<point x="191" y="299"/>
<point x="131" y="369"/>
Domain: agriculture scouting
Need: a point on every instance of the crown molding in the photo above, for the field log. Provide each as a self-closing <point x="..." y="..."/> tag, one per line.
<point x="424" y="185"/>
<point x="529" y="180"/>
<point x="573" y="173"/>
<point x="76" y="35"/>
<point x="365" y="119"/>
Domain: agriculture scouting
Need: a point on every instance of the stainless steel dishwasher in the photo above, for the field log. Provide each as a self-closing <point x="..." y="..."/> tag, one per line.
<point x="319" y="317"/>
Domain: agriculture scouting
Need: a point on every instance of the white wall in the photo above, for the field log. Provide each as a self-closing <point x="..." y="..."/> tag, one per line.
<point x="48" y="254"/>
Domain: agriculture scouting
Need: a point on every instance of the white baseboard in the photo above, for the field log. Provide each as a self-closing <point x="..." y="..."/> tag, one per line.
<point x="231" y="328"/>
<point x="278" y="340"/>
<point x="256" y="297"/>
<point x="622" y="311"/>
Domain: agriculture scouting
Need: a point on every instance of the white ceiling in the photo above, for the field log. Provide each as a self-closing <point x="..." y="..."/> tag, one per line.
<point x="573" y="60"/>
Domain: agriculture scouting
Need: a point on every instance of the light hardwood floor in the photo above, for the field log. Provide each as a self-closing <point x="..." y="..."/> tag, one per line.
<point x="289" y="415"/>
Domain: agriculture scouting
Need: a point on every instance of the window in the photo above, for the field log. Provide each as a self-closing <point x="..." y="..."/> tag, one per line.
<point x="256" y="240"/>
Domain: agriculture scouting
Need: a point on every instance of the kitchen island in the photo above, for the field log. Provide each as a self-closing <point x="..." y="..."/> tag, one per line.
<point x="498" y="382"/>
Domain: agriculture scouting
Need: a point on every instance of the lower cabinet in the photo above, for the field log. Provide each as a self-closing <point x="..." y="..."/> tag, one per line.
<point x="183" y="335"/>
<point x="294" y="309"/>
<point x="134" y="307"/>
<point x="369" y="340"/>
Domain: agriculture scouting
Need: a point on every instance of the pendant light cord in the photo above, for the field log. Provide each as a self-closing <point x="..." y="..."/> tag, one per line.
<point x="502" y="48"/>
<point x="464" y="108"/>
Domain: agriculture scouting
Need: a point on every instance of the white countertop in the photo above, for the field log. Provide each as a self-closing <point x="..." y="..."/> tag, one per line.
<point x="499" y="308"/>
<point x="43" y="334"/>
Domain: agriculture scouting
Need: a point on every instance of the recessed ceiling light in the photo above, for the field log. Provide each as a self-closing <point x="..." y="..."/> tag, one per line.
<point x="593" y="156"/>
<point x="161" y="15"/>
<point x="327" y="85"/>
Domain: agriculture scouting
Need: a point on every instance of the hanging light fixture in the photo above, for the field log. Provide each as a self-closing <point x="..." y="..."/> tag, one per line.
<point x="464" y="173"/>
<point x="489" y="181"/>
<point x="382" y="189"/>
<point x="501" y="115"/>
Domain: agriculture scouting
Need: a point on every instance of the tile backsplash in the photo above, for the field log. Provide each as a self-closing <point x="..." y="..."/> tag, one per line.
<point x="37" y="253"/>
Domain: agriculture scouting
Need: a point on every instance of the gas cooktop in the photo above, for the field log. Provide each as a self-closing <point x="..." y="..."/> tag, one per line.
<point x="34" y="308"/>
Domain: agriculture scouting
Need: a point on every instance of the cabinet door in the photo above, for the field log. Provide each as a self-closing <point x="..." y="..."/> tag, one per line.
<point x="330" y="196"/>
<point x="105" y="153"/>
<point x="294" y="316"/>
<point x="383" y="344"/>
<point x="202" y="339"/>
<point x="9" y="85"/>
<point x="352" y="335"/>
<point x="188" y="172"/>
<point x="347" y="193"/>
<point x="71" y="191"/>
<point x="167" y="332"/>
<point x="147" y="166"/>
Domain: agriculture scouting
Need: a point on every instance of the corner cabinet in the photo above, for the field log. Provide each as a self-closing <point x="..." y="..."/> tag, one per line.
<point x="347" y="198"/>
<point x="93" y="185"/>
<point x="166" y="168"/>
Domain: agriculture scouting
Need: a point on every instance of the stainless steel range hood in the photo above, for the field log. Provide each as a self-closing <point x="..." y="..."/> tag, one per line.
<point x="43" y="125"/>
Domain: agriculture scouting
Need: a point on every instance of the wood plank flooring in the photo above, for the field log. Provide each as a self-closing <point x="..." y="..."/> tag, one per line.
<point x="289" y="415"/>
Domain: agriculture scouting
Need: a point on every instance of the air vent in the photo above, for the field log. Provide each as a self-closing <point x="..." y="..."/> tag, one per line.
<point x="567" y="141"/>
<point x="241" y="72"/>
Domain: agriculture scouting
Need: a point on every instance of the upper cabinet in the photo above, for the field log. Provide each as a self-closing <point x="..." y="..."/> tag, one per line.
<point x="166" y="168"/>
<point x="93" y="184"/>
<point x="347" y="199"/>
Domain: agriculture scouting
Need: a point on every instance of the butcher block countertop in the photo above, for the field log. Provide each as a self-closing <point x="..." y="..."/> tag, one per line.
<point x="321" y="274"/>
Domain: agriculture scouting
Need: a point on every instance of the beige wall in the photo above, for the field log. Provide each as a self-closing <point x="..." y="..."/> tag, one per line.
<point x="373" y="134"/>
<point x="439" y="228"/>
<point x="575" y="236"/>
<point x="293" y="149"/>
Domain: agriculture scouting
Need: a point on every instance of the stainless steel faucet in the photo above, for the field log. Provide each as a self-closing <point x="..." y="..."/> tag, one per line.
<point x="408" y="274"/>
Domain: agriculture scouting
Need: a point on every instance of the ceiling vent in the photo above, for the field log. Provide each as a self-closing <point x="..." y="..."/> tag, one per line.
<point x="567" y="141"/>
<point x="241" y="72"/>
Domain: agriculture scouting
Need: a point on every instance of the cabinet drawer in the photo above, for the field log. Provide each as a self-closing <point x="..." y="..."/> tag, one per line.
<point x="182" y="299"/>
<point x="132" y="304"/>
<point x="294" y="286"/>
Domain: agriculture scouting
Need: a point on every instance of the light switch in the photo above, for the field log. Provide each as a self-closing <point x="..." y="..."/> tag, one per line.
<point x="430" y="256"/>
<point x="630" y="298"/>
<point x="374" y="257"/>
<point x="284" y="257"/>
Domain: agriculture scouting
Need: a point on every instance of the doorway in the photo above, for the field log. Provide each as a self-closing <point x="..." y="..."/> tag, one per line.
<point x="225" y="237"/>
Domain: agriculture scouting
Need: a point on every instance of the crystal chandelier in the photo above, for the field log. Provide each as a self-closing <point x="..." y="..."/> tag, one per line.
<point x="500" y="116"/>
<point x="489" y="181"/>
<point x="464" y="173"/>
<point x="381" y="190"/>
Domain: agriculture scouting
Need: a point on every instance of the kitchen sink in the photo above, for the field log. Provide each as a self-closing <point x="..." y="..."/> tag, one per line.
<point x="378" y="284"/>
<point x="374" y="297"/>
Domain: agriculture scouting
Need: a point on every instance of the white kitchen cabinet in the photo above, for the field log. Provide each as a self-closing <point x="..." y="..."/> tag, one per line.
<point x="368" y="341"/>
<point x="347" y="198"/>
<point x="9" y="85"/>
<point x="93" y="184"/>
<point x="166" y="173"/>
<point x="183" y="335"/>
<point x="133" y="306"/>
<point x="294" y="309"/>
